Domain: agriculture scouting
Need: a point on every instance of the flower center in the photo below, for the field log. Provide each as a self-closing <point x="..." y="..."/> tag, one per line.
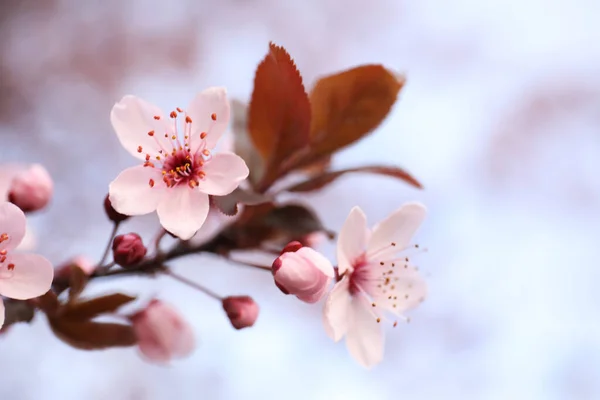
<point x="386" y="279"/>
<point x="179" y="162"/>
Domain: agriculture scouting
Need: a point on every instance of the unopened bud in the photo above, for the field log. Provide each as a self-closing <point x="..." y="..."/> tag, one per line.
<point x="31" y="189"/>
<point x="241" y="310"/>
<point x="128" y="249"/>
<point x="162" y="332"/>
<point x="302" y="272"/>
<point x="111" y="213"/>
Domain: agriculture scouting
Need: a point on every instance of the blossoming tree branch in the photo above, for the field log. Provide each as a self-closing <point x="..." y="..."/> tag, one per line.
<point x="220" y="202"/>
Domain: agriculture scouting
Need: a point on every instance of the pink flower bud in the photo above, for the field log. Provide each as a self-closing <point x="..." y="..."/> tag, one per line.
<point x="31" y="189"/>
<point x="64" y="270"/>
<point x="303" y="272"/>
<point x="162" y="332"/>
<point x="128" y="249"/>
<point x="241" y="310"/>
<point x="111" y="213"/>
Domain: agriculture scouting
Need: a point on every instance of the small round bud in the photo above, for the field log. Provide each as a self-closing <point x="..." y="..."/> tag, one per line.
<point x="162" y="333"/>
<point x="302" y="272"/>
<point x="111" y="213"/>
<point x="241" y="310"/>
<point x="128" y="249"/>
<point x="31" y="189"/>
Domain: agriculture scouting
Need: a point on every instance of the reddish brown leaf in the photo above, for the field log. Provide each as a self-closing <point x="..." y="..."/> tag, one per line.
<point x="347" y="106"/>
<point x="77" y="282"/>
<point x="92" y="308"/>
<point x="48" y="302"/>
<point x="90" y="335"/>
<point x="328" y="177"/>
<point x="279" y="112"/>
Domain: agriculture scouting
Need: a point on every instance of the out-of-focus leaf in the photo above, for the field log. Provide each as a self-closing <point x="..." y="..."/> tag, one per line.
<point x="48" y="302"/>
<point x="91" y="335"/>
<point x="267" y="222"/>
<point x="320" y="181"/>
<point x="318" y="167"/>
<point x="17" y="311"/>
<point x="242" y="144"/>
<point x="89" y="309"/>
<point x="279" y="112"/>
<point x="228" y="204"/>
<point x="347" y="106"/>
<point x="77" y="282"/>
<point x="295" y="220"/>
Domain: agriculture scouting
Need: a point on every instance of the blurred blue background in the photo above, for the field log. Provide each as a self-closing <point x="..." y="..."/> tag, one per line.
<point x="500" y="119"/>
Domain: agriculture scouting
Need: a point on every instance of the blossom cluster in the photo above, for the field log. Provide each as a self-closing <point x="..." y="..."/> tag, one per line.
<point x="193" y="188"/>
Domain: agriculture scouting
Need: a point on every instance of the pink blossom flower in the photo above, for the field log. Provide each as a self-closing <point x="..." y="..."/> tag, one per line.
<point x="22" y="276"/>
<point x="31" y="188"/>
<point x="162" y="332"/>
<point x="179" y="170"/>
<point x="303" y="272"/>
<point x="377" y="279"/>
<point x="241" y="310"/>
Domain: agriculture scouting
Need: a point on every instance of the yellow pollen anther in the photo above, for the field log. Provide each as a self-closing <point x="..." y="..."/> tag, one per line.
<point x="188" y="119"/>
<point x="158" y="158"/>
<point x="213" y="116"/>
<point x="173" y="114"/>
<point x="203" y="135"/>
<point x="164" y="172"/>
<point x="201" y="174"/>
<point x="378" y="320"/>
<point x="173" y="137"/>
<point x="157" y="117"/>
<point x="151" y="182"/>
